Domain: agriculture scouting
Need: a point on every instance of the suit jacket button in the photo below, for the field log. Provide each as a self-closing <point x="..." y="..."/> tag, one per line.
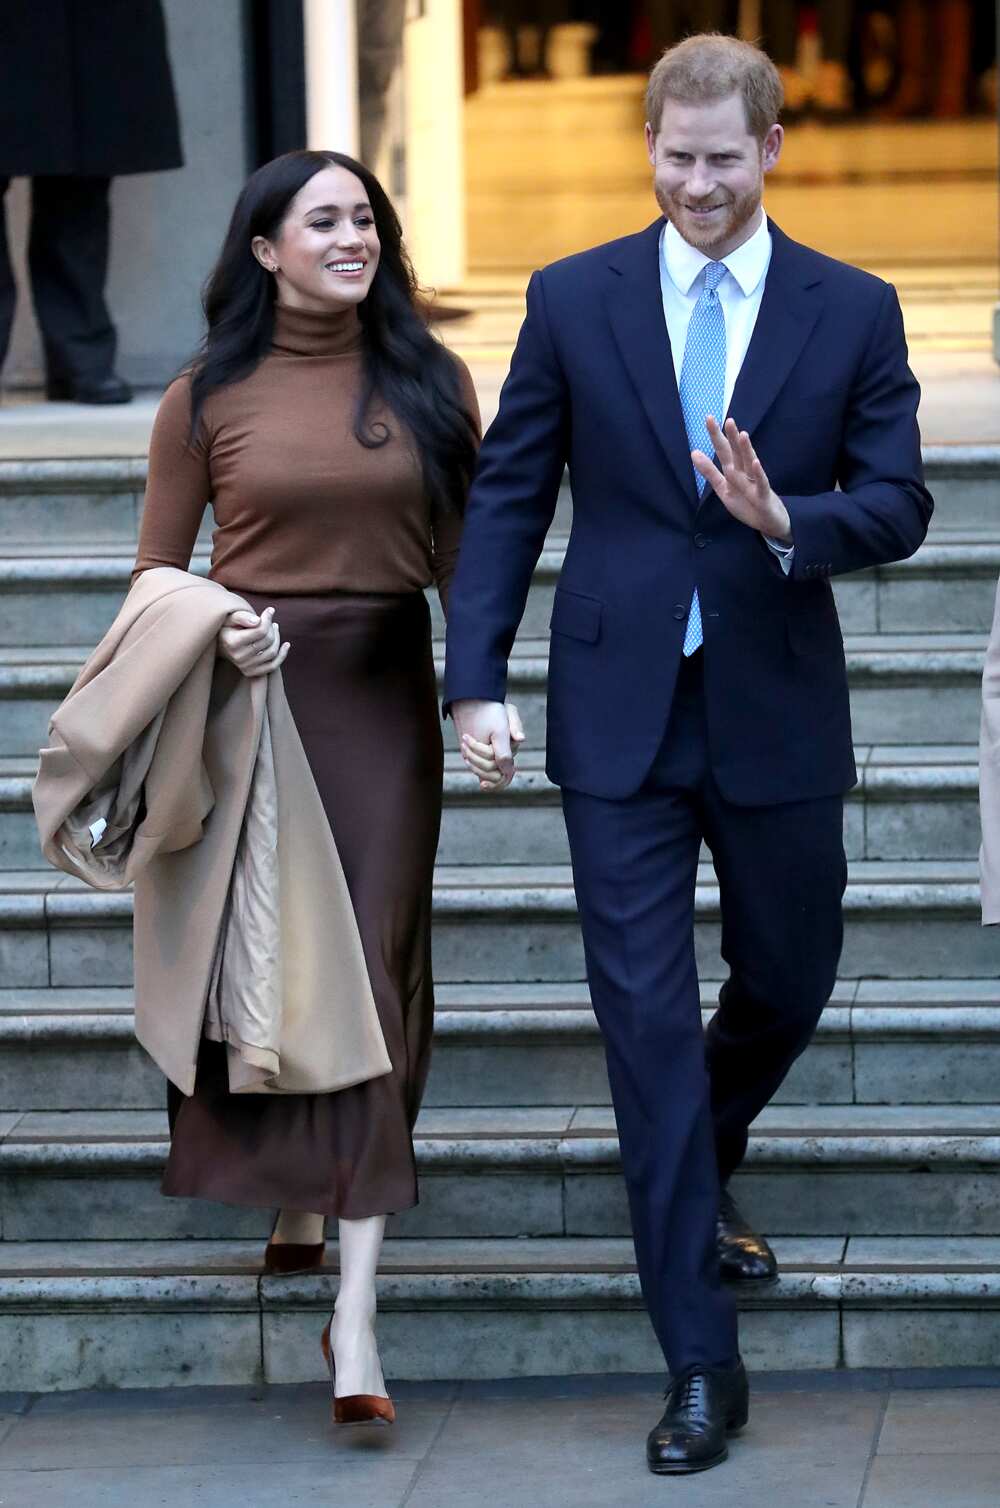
<point x="680" y="612"/>
<point x="701" y="540"/>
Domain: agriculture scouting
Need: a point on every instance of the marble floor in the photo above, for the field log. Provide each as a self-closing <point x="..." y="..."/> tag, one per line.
<point x="815" y="1440"/>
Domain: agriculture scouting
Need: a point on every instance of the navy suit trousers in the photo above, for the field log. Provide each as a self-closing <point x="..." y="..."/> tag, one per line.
<point x="684" y="1099"/>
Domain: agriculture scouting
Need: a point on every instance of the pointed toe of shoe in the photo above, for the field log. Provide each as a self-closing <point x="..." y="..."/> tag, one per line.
<point x="747" y="1265"/>
<point x="363" y="1408"/>
<point x="674" y="1453"/>
<point x="744" y="1255"/>
<point x="283" y="1257"/>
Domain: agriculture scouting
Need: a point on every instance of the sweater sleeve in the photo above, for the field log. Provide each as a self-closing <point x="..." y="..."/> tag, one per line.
<point x="446" y="524"/>
<point x="178" y="485"/>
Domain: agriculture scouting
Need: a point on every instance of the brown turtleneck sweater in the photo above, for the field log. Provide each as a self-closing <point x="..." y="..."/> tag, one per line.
<point x="300" y="505"/>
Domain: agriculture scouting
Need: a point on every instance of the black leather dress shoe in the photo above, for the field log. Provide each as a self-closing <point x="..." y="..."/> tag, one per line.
<point x="744" y="1256"/>
<point x="703" y="1406"/>
<point x="108" y="389"/>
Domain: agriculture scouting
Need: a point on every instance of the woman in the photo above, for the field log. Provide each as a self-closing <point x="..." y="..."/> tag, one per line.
<point x="335" y="439"/>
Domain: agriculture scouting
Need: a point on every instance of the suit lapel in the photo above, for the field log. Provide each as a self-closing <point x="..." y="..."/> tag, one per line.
<point x="635" y="309"/>
<point x="790" y="307"/>
<point x="793" y="299"/>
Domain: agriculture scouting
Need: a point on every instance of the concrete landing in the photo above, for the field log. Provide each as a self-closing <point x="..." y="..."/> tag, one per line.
<point x="960" y="404"/>
<point x="817" y="1440"/>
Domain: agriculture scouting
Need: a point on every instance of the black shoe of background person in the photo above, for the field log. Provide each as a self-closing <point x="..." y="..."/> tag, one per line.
<point x="704" y="1406"/>
<point x="744" y="1256"/>
<point x="107" y="389"/>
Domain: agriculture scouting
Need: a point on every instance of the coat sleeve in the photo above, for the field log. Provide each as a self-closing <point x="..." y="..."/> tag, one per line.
<point x="882" y="512"/>
<point x="511" y="505"/>
<point x="178" y="485"/>
<point x="989" y="777"/>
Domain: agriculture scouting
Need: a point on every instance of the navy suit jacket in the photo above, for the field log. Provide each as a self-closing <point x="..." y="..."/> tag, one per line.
<point x="830" y="403"/>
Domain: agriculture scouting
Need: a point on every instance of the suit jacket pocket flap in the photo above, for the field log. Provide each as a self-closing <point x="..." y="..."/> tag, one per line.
<point x="576" y="616"/>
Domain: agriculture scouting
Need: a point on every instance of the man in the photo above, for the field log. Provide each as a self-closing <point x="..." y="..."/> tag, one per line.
<point x="697" y="686"/>
<point x="86" y="94"/>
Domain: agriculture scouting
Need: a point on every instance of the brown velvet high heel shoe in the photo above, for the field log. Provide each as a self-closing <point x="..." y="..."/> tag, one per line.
<point x="358" y="1408"/>
<point x="292" y="1256"/>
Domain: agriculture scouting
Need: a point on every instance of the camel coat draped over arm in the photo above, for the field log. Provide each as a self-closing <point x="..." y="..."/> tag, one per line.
<point x="168" y="768"/>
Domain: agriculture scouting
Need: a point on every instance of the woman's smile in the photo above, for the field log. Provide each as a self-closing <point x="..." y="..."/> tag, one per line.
<point x="346" y="268"/>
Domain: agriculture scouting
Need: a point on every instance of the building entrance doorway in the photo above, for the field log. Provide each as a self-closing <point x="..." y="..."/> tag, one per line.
<point x="890" y="159"/>
<point x="891" y="155"/>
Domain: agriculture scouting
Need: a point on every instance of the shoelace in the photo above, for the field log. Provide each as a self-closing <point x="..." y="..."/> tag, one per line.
<point x="689" y="1392"/>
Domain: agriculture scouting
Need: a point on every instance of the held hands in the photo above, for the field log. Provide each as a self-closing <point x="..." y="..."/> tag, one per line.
<point x="742" y="485"/>
<point x="489" y="734"/>
<point x="252" y="643"/>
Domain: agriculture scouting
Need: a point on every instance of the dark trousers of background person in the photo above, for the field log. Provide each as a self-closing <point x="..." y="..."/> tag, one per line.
<point x="934" y="52"/>
<point x="544" y="14"/>
<point x="781" y="29"/>
<point x="67" y="263"/>
<point x="684" y="1100"/>
<point x="670" y="20"/>
<point x="615" y="22"/>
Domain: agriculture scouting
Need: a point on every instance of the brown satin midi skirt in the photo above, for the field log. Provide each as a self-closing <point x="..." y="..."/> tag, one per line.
<point x="359" y="679"/>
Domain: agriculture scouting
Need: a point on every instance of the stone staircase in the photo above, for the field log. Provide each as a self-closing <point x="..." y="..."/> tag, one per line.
<point x="877" y="1170"/>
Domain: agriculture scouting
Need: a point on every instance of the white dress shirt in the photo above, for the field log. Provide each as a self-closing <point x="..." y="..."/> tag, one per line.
<point x="681" y="283"/>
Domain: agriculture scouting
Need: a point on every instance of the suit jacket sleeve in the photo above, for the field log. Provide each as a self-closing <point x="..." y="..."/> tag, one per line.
<point x="989" y="777"/>
<point x="511" y="506"/>
<point x="883" y="510"/>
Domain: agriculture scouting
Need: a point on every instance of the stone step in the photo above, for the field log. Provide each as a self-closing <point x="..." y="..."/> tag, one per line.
<point x="50" y="597"/>
<point x="947" y="587"/>
<point x="905" y="689"/>
<point x="108" y="1314"/>
<point x="920" y="802"/>
<point x="879" y="1041"/>
<point x="897" y="1170"/>
<point x="169" y="1313"/>
<point x="518" y="923"/>
<point x="76" y="501"/>
<point x="93" y="501"/>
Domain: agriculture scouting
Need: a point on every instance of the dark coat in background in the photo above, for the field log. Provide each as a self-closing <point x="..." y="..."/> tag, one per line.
<point x="85" y="89"/>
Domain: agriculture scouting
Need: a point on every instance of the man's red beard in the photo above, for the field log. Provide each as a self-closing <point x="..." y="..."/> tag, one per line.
<point x="738" y="213"/>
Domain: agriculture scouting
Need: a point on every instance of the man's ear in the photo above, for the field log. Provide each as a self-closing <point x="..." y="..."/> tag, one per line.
<point x="770" y="148"/>
<point x="651" y="143"/>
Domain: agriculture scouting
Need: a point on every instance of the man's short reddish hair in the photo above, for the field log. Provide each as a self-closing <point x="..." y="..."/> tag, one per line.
<point x="709" y="67"/>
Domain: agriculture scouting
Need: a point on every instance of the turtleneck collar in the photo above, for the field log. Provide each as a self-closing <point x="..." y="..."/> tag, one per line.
<point x="301" y="332"/>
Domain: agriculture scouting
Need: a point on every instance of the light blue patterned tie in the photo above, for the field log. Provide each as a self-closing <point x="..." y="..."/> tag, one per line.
<point x="703" y="391"/>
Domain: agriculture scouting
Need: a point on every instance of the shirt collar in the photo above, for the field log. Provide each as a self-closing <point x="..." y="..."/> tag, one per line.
<point x="748" y="263"/>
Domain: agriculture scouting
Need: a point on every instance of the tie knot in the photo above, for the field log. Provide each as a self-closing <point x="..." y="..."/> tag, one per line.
<point x="714" y="273"/>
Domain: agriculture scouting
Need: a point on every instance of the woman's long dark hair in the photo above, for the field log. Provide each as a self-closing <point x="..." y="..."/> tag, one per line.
<point x="404" y="365"/>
